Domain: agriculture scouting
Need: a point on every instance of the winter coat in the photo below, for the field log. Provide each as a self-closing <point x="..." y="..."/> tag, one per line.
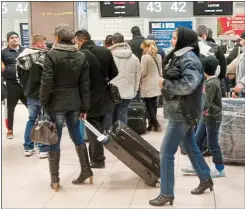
<point x="233" y="54"/>
<point x="29" y="67"/>
<point x="65" y="80"/>
<point x="219" y="54"/>
<point x="186" y="100"/>
<point x="101" y="101"/>
<point x="129" y="69"/>
<point x="151" y="73"/>
<point x="135" y="45"/>
<point x="8" y="57"/>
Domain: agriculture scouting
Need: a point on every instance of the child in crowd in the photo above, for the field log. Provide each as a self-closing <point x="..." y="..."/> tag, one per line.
<point x="212" y="116"/>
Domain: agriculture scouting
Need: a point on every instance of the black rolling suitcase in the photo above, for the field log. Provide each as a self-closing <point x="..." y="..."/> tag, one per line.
<point x="132" y="150"/>
<point x="137" y="116"/>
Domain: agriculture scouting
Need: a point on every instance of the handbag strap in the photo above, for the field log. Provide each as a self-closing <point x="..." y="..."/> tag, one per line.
<point x="105" y="77"/>
<point x="157" y="66"/>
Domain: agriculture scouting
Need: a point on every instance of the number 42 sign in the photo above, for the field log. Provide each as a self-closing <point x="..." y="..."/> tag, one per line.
<point x="163" y="9"/>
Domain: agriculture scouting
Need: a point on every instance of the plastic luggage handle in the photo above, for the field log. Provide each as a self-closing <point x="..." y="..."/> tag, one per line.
<point x="100" y="137"/>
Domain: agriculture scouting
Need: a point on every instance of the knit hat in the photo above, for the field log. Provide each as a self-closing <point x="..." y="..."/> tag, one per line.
<point x="151" y="37"/>
<point x="11" y="33"/>
<point x="64" y="31"/>
<point x="210" y="65"/>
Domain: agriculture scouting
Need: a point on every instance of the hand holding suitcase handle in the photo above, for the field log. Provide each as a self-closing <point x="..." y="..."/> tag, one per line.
<point x="100" y="137"/>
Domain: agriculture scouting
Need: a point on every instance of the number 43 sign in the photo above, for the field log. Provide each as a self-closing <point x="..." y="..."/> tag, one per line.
<point x="166" y="9"/>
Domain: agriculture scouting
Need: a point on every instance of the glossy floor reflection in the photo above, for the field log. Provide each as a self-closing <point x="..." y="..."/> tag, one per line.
<point x="25" y="181"/>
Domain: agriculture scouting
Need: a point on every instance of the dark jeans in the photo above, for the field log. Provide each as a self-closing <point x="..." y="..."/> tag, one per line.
<point x="121" y="111"/>
<point x="201" y="139"/>
<point x="179" y="132"/>
<point x="34" y="108"/>
<point x="107" y="122"/>
<point x="73" y="125"/>
<point x="211" y="127"/>
<point x="96" y="148"/>
<point x="15" y="93"/>
<point x="151" y="105"/>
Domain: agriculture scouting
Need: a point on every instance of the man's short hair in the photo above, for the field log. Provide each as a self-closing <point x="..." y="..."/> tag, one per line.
<point x="201" y="30"/>
<point x="83" y="34"/>
<point x="117" y="38"/>
<point x="38" y="38"/>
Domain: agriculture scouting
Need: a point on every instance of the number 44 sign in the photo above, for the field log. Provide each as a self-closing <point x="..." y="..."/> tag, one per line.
<point x="13" y="7"/>
<point x="163" y="9"/>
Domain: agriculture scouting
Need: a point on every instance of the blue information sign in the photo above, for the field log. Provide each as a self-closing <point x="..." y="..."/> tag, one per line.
<point x="24" y="34"/>
<point x="163" y="31"/>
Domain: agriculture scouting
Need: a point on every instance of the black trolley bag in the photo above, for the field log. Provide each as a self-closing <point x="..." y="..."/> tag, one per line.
<point x="137" y="116"/>
<point x="132" y="150"/>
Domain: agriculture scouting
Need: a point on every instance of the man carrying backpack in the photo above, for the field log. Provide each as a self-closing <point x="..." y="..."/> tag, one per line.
<point x="208" y="48"/>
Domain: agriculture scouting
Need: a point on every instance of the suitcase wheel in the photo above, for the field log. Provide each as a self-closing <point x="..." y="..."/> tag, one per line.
<point x="157" y="184"/>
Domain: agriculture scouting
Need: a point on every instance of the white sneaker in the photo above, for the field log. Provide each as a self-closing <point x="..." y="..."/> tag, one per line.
<point x="28" y="153"/>
<point x="188" y="170"/>
<point x="216" y="174"/>
<point x="43" y="155"/>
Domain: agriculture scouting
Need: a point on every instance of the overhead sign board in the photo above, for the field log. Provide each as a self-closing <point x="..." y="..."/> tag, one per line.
<point x="163" y="31"/>
<point x="213" y="8"/>
<point x="170" y="9"/>
<point x="119" y="8"/>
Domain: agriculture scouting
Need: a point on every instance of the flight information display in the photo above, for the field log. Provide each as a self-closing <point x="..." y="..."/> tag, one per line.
<point x="213" y="8"/>
<point x="119" y="9"/>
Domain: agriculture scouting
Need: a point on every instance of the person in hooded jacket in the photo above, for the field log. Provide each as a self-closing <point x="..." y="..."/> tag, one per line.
<point x="128" y="79"/>
<point x="136" y="42"/>
<point x="29" y="67"/>
<point x="65" y="95"/>
<point x="182" y="93"/>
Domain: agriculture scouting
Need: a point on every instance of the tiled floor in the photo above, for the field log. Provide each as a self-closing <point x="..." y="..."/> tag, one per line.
<point x="26" y="180"/>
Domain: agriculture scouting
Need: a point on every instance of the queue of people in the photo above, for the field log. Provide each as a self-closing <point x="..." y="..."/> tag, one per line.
<point x="70" y="81"/>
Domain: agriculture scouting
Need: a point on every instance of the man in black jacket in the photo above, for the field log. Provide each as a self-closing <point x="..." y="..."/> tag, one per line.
<point x="30" y="66"/>
<point x="136" y="42"/>
<point x="15" y="91"/>
<point x="102" y="65"/>
<point x="65" y="94"/>
<point x="202" y="32"/>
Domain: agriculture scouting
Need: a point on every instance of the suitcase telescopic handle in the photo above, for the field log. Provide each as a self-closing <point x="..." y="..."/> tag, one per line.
<point x="100" y="137"/>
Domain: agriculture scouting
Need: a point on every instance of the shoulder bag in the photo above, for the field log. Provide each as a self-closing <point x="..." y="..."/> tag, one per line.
<point x="44" y="130"/>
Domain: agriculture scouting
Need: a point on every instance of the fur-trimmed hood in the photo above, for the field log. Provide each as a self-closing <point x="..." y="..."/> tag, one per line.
<point x="121" y="50"/>
<point x="65" y="47"/>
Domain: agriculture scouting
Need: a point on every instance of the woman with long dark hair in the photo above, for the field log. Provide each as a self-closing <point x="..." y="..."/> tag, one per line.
<point x="182" y="85"/>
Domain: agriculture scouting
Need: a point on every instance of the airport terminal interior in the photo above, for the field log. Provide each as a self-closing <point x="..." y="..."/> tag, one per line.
<point x="26" y="179"/>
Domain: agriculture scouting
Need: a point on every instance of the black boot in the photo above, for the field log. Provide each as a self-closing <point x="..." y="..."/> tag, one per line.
<point x="203" y="186"/>
<point x="54" y="161"/>
<point x="161" y="200"/>
<point x="150" y="125"/>
<point x="156" y="125"/>
<point x="86" y="171"/>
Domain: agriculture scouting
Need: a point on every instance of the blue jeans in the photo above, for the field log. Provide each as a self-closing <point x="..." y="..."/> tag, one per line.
<point x="34" y="108"/>
<point x="201" y="135"/>
<point x="73" y="125"/>
<point x="121" y="111"/>
<point x="179" y="132"/>
<point x="211" y="127"/>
